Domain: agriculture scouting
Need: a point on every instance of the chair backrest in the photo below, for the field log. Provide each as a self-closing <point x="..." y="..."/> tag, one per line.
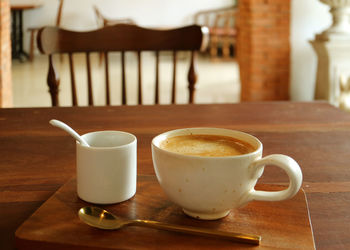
<point x="120" y="38"/>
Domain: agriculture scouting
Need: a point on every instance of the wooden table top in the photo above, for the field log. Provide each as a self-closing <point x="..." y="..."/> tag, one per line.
<point x="36" y="158"/>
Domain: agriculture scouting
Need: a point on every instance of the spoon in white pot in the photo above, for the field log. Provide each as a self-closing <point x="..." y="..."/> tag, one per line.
<point x="69" y="130"/>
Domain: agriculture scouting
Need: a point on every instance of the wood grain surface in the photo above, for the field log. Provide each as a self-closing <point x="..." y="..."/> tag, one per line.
<point x="36" y="158"/>
<point x="56" y="225"/>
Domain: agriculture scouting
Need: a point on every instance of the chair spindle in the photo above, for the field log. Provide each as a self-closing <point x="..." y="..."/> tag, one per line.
<point x="156" y="101"/>
<point x="88" y="64"/>
<point x="53" y="82"/>
<point x="139" y="77"/>
<point x="108" y="101"/>
<point x="173" y="92"/>
<point x="192" y="78"/>
<point x="123" y="79"/>
<point x="72" y="79"/>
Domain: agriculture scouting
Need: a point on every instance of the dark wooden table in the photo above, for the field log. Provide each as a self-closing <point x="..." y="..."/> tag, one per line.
<point x="36" y="158"/>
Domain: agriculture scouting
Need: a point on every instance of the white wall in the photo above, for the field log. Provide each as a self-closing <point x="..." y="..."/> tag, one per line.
<point x="308" y="18"/>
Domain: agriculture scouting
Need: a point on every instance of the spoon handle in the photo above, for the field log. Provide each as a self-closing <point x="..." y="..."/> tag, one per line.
<point x="68" y="129"/>
<point x="239" y="237"/>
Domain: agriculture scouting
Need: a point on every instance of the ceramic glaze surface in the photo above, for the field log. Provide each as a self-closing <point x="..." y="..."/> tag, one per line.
<point x="107" y="171"/>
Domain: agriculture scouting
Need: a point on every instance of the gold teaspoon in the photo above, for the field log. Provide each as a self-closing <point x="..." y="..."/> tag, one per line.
<point x="102" y="219"/>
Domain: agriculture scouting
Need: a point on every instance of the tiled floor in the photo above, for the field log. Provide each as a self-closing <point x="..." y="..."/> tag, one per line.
<point x="218" y="82"/>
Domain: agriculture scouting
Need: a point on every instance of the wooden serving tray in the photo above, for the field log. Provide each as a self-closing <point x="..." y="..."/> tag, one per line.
<point x="56" y="225"/>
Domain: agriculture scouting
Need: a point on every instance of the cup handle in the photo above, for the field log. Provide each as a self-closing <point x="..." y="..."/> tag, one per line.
<point x="289" y="165"/>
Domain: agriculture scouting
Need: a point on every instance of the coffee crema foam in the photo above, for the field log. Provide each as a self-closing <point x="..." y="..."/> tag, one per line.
<point x="206" y="145"/>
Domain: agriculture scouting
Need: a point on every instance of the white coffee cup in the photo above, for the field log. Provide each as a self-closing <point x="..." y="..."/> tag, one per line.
<point x="107" y="170"/>
<point x="209" y="187"/>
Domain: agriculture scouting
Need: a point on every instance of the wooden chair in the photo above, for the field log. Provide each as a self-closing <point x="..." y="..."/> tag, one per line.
<point x="33" y="30"/>
<point x="222" y="29"/>
<point x="120" y="38"/>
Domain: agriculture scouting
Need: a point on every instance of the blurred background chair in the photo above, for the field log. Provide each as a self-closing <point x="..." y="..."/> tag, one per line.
<point x="33" y="30"/>
<point x="103" y="21"/>
<point x="120" y="38"/>
<point x="222" y="30"/>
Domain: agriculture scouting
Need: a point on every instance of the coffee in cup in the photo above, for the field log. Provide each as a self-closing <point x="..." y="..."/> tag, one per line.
<point x="210" y="171"/>
<point x="206" y="145"/>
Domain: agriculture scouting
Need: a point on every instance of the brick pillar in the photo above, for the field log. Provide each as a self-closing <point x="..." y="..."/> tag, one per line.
<point x="263" y="49"/>
<point x="5" y="55"/>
